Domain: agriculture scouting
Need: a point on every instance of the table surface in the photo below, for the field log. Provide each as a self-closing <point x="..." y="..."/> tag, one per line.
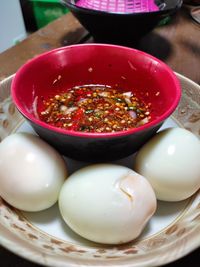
<point x="177" y="44"/>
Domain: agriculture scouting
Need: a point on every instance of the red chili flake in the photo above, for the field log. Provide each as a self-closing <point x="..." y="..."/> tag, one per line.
<point x="78" y="114"/>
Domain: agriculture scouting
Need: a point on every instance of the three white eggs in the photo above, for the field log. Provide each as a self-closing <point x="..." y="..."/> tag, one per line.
<point x="105" y="203"/>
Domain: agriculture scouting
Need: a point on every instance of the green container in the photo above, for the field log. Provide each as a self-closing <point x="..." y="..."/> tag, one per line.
<point x="46" y="11"/>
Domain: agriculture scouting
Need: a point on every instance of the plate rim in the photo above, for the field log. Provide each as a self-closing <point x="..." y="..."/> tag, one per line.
<point x="29" y="252"/>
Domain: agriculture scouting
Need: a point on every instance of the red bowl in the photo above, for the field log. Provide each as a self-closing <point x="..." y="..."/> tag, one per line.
<point x="149" y="78"/>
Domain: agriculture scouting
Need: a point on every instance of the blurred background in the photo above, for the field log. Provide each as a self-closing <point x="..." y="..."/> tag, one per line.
<point x="31" y="15"/>
<point x="27" y="17"/>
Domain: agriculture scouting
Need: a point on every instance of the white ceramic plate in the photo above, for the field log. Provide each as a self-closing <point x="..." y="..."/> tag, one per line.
<point x="44" y="238"/>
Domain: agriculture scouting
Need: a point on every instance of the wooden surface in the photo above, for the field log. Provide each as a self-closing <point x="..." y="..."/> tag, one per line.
<point x="178" y="44"/>
<point x="64" y="31"/>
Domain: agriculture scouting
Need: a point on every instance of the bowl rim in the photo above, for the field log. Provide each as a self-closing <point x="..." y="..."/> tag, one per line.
<point x="30" y="117"/>
<point x="168" y="11"/>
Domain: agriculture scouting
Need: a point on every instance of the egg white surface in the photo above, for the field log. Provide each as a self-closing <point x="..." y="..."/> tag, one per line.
<point x="171" y="163"/>
<point x="31" y="172"/>
<point x="107" y="203"/>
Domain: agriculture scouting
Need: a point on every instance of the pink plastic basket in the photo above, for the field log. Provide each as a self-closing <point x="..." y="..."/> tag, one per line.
<point x="119" y="6"/>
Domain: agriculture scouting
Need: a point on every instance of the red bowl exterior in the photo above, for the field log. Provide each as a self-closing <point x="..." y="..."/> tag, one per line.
<point x="148" y="77"/>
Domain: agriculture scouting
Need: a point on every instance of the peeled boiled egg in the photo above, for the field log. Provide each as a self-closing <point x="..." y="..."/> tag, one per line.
<point x="171" y="163"/>
<point x="107" y="203"/>
<point x="31" y="172"/>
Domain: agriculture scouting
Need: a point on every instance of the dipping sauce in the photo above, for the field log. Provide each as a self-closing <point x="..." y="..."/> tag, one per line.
<point x="95" y="108"/>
